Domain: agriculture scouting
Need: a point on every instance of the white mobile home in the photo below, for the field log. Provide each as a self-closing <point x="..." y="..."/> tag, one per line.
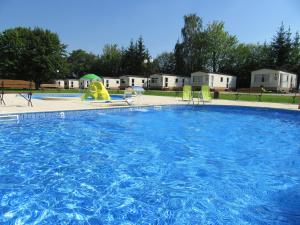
<point x="213" y="80"/>
<point x="86" y="80"/>
<point x="60" y="83"/>
<point x="71" y="84"/>
<point x="275" y="80"/>
<point x="111" y="82"/>
<point x="84" y="83"/>
<point x="168" y="81"/>
<point x="133" y="80"/>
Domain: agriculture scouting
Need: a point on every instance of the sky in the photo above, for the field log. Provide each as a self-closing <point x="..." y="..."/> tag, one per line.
<point x="90" y="24"/>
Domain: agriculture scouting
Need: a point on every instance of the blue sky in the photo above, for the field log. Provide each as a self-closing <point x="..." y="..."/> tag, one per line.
<point x="90" y="24"/>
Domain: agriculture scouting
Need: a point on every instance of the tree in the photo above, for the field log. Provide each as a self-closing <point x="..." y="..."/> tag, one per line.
<point x="81" y="62"/>
<point x="295" y="56"/>
<point x="203" y="48"/>
<point x="219" y="46"/>
<point x="29" y="54"/>
<point x="129" y="59"/>
<point x="134" y="57"/>
<point x="192" y="43"/>
<point x="180" y="66"/>
<point x="281" y="47"/>
<point x="12" y="45"/>
<point x="165" y="63"/>
<point x="110" y="60"/>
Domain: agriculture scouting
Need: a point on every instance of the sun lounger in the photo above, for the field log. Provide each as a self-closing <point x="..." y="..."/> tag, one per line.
<point x="128" y="98"/>
<point x="128" y="101"/>
<point x="205" y="94"/>
<point x="187" y="94"/>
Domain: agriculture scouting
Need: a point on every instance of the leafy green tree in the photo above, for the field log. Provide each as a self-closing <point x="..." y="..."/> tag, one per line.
<point x="165" y="63"/>
<point x="13" y="46"/>
<point x="110" y="61"/>
<point x="31" y="54"/>
<point x="192" y="43"/>
<point x="203" y="48"/>
<point x="240" y="63"/>
<point x="219" y="46"/>
<point x="81" y="62"/>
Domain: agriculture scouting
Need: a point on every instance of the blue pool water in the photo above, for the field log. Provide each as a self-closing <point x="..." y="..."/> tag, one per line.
<point x="66" y="95"/>
<point x="192" y="165"/>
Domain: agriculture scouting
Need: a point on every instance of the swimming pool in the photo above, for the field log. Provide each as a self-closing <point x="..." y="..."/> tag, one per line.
<point x="66" y="95"/>
<point x="169" y="165"/>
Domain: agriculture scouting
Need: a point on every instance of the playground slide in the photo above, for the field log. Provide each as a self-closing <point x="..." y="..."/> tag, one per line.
<point x="96" y="91"/>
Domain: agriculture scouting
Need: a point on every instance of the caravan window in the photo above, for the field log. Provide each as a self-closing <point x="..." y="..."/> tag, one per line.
<point x="261" y="78"/>
<point x="198" y="79"/>
<point x="257" y="78"/>
<point x="154" y="80"/>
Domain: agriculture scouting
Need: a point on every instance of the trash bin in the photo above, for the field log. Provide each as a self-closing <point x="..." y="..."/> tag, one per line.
<point x="216" y="94"/>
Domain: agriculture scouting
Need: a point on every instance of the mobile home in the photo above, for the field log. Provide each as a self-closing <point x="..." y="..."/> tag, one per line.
<point x="168" y="81"/>
<point x="86" y="80"/>
<point x="111" y="82"/>
<point x="215" y="81"/>
<point x="60" y="83"/>
<point x="71" y="84"/>
<point x="274" y="80"/>
<point x="133" y="80"/>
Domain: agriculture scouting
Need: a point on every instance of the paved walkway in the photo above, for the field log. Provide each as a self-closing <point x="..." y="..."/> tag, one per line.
<point x="16" y="104"/>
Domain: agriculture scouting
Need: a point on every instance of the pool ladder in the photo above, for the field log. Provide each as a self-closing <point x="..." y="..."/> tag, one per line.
<point x="9" y="118"/>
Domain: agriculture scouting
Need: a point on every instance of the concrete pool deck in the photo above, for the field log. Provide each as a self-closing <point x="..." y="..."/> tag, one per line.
<point x="16" y="104"/>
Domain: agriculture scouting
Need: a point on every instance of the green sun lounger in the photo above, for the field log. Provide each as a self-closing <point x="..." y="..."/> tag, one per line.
<point x="187" y="93"/>
<point x="205" y="93"/>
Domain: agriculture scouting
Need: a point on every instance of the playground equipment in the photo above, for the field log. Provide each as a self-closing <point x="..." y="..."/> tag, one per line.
<point x="96" y="91"/>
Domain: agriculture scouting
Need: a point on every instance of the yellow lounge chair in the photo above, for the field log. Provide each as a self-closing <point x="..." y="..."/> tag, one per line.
<point x="187" y="93"/>
<point x="205" y="94"/>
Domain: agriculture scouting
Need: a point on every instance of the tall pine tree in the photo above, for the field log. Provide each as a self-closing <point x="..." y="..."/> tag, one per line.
<point x="281" y="48"/>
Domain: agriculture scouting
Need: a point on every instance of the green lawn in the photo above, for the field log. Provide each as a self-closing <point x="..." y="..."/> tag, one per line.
<point x="232" y="96"/>
<point x="264" y="98"/>
<point x="225" y="96"/>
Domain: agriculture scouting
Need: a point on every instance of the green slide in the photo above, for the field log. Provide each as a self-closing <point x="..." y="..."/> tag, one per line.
<point x="96" y="91"/>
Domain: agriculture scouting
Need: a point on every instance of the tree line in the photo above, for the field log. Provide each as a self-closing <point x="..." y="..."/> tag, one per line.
<point x="38" y="54"/>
